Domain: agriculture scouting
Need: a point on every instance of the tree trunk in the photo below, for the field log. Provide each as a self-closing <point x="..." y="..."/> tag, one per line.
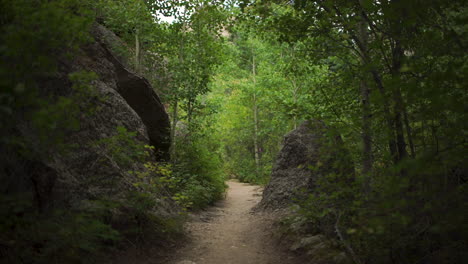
<point x="295" y="91"/>
<point x="175" y="105"/>
<point x="137" y="52"/>
<point x="364" y="54"/>
<point x="386" y="106"/>
<point x="174" y="120"/>
<point x="366" y="129"/>
<point x="409" y="134"/>
<point x="190" y="111"/>
<point x="388" y="118"/>
<point x="366" y="112"/>
<point x="256" y="145"/>
<point x="255" y="116"/>
<point x="398" y="102"/>
<point x="397" y="60"/>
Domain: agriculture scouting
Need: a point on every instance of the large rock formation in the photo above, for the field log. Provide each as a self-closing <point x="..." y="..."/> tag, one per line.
<point x="308" y="152"/>
<point x="122" y="99"/>
<point x="139" y="94"/>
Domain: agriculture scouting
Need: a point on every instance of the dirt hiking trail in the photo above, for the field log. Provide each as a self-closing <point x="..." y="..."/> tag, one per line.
<point x="229" y="233"/>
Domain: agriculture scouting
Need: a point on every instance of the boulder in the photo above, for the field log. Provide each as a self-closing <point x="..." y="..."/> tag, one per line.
<point x="139" y="95"/>
<point x="308" y="152"/>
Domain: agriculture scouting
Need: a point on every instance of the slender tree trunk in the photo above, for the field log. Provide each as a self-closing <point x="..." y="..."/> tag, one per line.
<point x="390" y="131"/>
<point x="397" y="60"/>
<point x="255" y="116"/>
<point x="366" y="112"/>
<point x="175" y="105"/>
<point x="398" y="102"/>
<point x="434" y="136"/>
<point x="137" y="51"/>
<point x="173" y="131"/>
<point x="295" y="91"/>
<point x="423" y="133"/>
<point x="364" y="53"/>
<point x="366" y="129"/>
<point x="409" y="134"/>
<point x="189" y="113"/>
<point x="401" y="142"/>
<point x="256" y="145"/>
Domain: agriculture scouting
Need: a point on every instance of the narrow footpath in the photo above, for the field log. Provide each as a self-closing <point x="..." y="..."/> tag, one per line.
<point x="229" y="233"/>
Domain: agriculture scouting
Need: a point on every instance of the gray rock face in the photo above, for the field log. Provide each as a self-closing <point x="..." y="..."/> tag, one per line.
<point x="309" y="152"/>
<point x="305" y="156"/>
<point x="139" y="94"/>
<point x="68" y="179"/>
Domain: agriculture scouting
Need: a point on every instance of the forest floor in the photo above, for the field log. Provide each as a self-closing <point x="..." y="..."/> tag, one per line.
<point x="231" y="233"/>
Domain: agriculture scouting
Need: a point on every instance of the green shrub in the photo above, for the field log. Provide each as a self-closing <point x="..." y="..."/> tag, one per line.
<point x="197" y="176"/>
<point x="408" y="219"/>
<point x="29" y="236"/>
<point x="34" y="35"/>
<point x="122" y="148"/>
<point x="151" y="182"/>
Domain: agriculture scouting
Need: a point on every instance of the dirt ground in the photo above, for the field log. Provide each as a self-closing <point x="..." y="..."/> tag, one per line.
<point x="230" y="233"/>
<point x="227" y="233"/>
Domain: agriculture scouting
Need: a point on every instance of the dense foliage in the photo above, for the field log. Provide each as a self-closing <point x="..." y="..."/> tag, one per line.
<point x="36" y="37"/>
<point x="179" y="59"/>
<point x="391" y="79"/>
<point x="388" y="76"/>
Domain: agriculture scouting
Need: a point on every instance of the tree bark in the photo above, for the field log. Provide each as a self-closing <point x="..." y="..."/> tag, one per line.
<point x="174" y="120"/>
<point x="256" y="145"/>
<point x="366" y="129"/>
<point x="397" y="57"/>
<point x="366" y="111"/>
<point x="295" y="91"/>
<point x="409" y="134"/>
<point x="255" y="116"/>
<point x="137" y="51"/>
<point x="175" y="105"/>
<point x="366" y="58"/>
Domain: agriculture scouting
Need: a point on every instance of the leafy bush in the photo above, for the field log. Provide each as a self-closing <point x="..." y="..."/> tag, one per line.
<point x="123" y="148"/>
<point x="35" y="36"/>
<point x="413" y="218"/>
<point x="151" y="182"/>
<point x="29" y="236"/>
<point x="197" y="175"/>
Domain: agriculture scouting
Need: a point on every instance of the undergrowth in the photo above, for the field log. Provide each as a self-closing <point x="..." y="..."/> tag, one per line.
<point x="408" y="214"/>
